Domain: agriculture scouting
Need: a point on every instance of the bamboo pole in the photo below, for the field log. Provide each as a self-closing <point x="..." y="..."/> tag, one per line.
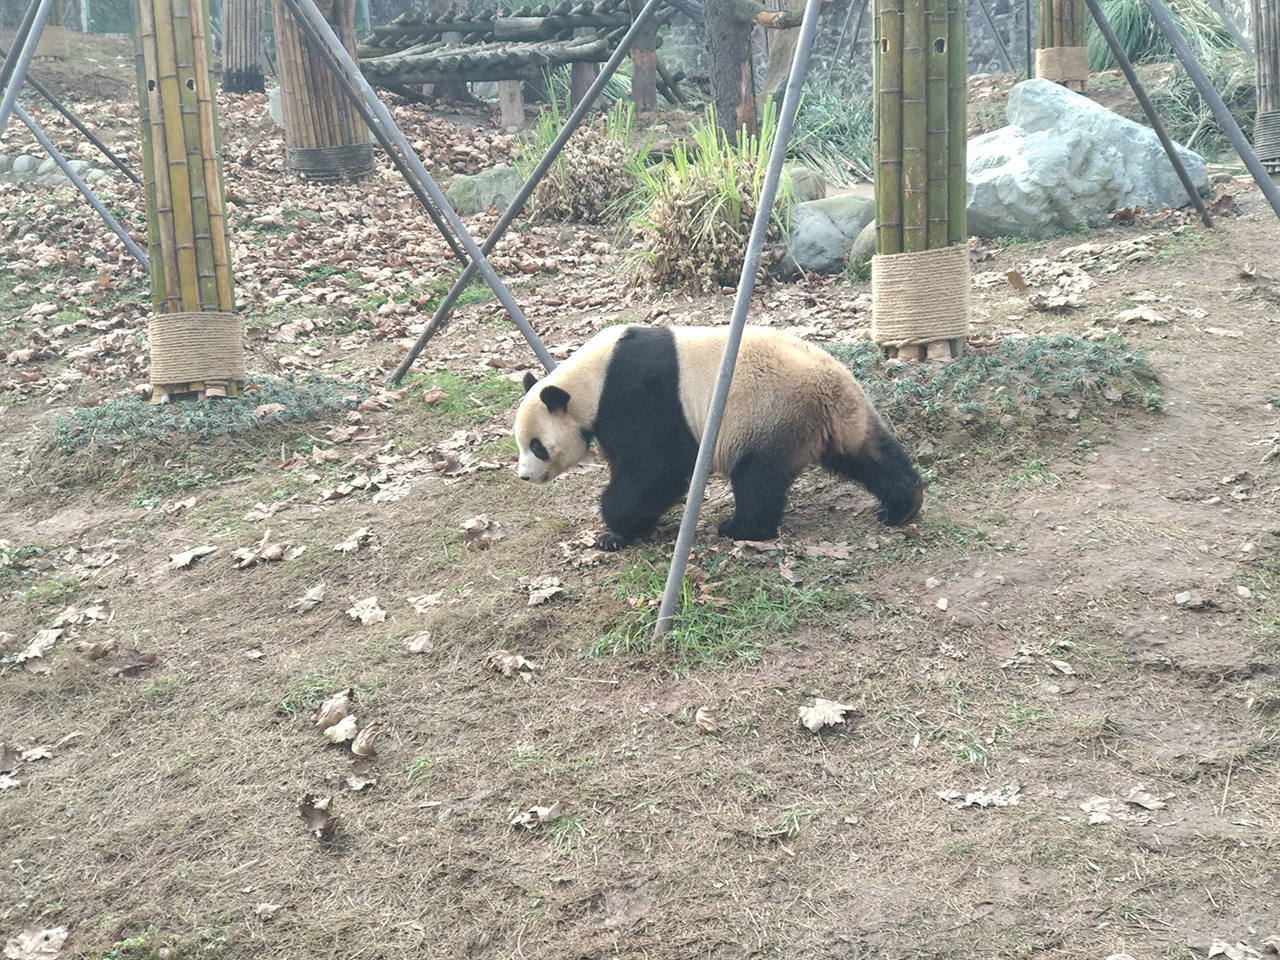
<point x="957" y="124"/>
<point x="915" y="170"/>
<point x="196" y="338"/>
<point x="938" y="141"/>
<point x="889" y="111"/>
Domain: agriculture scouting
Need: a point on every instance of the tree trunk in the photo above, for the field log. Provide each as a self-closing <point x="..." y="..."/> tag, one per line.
<point x="243" y="32"/>
<point x="195" y="335"/>
<point x="729" y="68"/>
<point x="644" y="64"/>
<point x="457" y="90"/>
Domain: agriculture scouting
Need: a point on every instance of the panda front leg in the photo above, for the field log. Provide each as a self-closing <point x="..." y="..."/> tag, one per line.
<point x="634" y="502"/>
<point x="760" y="486"/>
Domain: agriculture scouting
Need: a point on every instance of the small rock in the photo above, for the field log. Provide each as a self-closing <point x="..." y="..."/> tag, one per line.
<point x="942" y="603"/>
<point x="933" y="583"/>
<point x="1244" y="593"/>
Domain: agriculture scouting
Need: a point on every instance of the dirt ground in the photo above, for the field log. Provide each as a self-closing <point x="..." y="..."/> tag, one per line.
<point x="1063" y="718"/>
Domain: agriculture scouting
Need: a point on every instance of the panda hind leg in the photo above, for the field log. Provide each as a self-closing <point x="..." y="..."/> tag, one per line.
<point x="633" y="503"/>
<point x="882" y="465"/>
<point x="760" y="488"/>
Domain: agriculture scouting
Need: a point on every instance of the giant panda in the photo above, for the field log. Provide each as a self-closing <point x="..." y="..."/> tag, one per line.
<point x="643" y="394"/>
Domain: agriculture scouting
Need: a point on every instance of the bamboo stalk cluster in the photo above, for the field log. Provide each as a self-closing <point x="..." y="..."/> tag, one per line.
<point x="316" y="110"/>
<point x="920" y="129"/>
<point x="242" y="38"/>
<point x="186" y="207"/>
<point x="1062" y="23"/>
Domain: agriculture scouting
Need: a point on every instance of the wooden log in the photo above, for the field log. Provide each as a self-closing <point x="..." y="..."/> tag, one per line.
<point x="510" y="104"/>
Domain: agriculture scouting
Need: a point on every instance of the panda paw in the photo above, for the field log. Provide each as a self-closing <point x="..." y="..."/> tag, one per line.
<point x="611" y="541"/>
<point x="736" y="530"/>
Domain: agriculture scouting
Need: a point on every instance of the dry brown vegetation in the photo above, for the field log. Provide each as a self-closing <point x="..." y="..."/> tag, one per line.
<point x="1061" y="732"/>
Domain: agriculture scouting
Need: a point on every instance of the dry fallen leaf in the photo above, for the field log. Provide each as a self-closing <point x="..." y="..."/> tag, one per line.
<point x="10" y="758"/>
<point x="541" y="589"/>
<point x="363" y="746"/>
<point x="510" y="664"/>
<point x="132" y="663"/>
<point x="363" y="774"/>
<point x="535" y="816"/>
<point x="333" y="710"/>
<point x="418" y="642"/>
<point x="308" y="599"/>
<point x="318" y="815"/>
<point x="367" y="611"/>
<point x="187" y="557"/>
<point x="1138" y="797"/>
<point x="35" y="943"/>
<point x="823" y="713"/>
<point x="480" y="533"/>
<point x="342" y="731"/>
<point x="705" y="718"/>
<point x="355" y="541"/>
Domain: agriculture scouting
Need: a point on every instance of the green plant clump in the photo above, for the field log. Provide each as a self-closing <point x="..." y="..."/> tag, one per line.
<point x="1017" y="373"/>
<point x="133" y="419"/>
<point x="596" y="173"/>
<point x="700" y="205"/>
<point x="1142" y="41"/>
<point x="833" y="136"/>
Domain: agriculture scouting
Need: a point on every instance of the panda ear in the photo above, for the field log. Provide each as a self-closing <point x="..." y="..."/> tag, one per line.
<point x="529" y="380"/>
<point x="555" y="399"/>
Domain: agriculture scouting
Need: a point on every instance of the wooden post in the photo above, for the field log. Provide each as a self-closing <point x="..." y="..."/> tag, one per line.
<point x="510" y="104"/>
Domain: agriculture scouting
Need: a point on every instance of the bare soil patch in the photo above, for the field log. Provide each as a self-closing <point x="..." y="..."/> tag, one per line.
<point x="1063" y="685"/>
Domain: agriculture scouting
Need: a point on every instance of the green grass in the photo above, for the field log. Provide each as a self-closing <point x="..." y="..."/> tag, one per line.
<point x="305" y="693"/>
<point x="833" y="136"/>
<point x="132" y="420"/>
<point x="1018" y="373"/>
<point x="470" y="400"/>
<point x="728" y="618"/>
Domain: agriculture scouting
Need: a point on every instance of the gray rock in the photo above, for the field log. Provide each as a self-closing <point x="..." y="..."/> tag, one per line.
<point x="1065" y="163"/>
<point x="25" y="165"/>
<point x="275" y="106"/>
<point x="823" y="231"/>
<point x="493" y="187"/>
<point x="5" y="163"/>
<point x="864" y="248"/>
<point x="804" y="183"/>
<point x="47" y="166"/>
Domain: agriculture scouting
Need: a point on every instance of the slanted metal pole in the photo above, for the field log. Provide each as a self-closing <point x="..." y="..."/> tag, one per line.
<point x="1220" y="112"/>
<point x="75" y="121"/>
<point x="15" y="68"/>
<point x="1117" y="51"/>
<point x="305" y="10"/>
<point x="746" y="283"/>
<point x="1230" y="23"/>
<point x="995" y="32"/>
<point x="518" y="201"/>
<point x="83" y="187"/>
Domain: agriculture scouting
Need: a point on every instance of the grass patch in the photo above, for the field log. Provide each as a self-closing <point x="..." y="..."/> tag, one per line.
<point x="1022" y="376"/>
<point x="471" y="400"/>
<point x="132" y="419"/>
<point x="833" y="136"/>
<point x="728" y="614"/>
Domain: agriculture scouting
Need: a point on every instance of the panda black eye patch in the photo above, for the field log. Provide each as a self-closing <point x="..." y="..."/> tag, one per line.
<point x="538" y="449"/>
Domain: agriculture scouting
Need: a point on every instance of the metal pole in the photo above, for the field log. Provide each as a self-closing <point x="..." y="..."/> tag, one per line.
<point x="15" y="68"/>
<point x="1230" y="23"/>
<point x="1117" y="51"/>
<point x="844" y="28"/>
<point x="393" y="154"/>
<point x="995" y="32"/>
<point x="746" y="283"/>
<point x="83" y="187"/>
<point x="41" y="89"/>
<point x="1220" y="112"/>
<point x="517" y="203"/>
<point x="306" y="10"/>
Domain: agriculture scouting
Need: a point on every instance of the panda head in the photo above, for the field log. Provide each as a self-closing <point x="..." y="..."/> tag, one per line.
<point x="550" y="439"/>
